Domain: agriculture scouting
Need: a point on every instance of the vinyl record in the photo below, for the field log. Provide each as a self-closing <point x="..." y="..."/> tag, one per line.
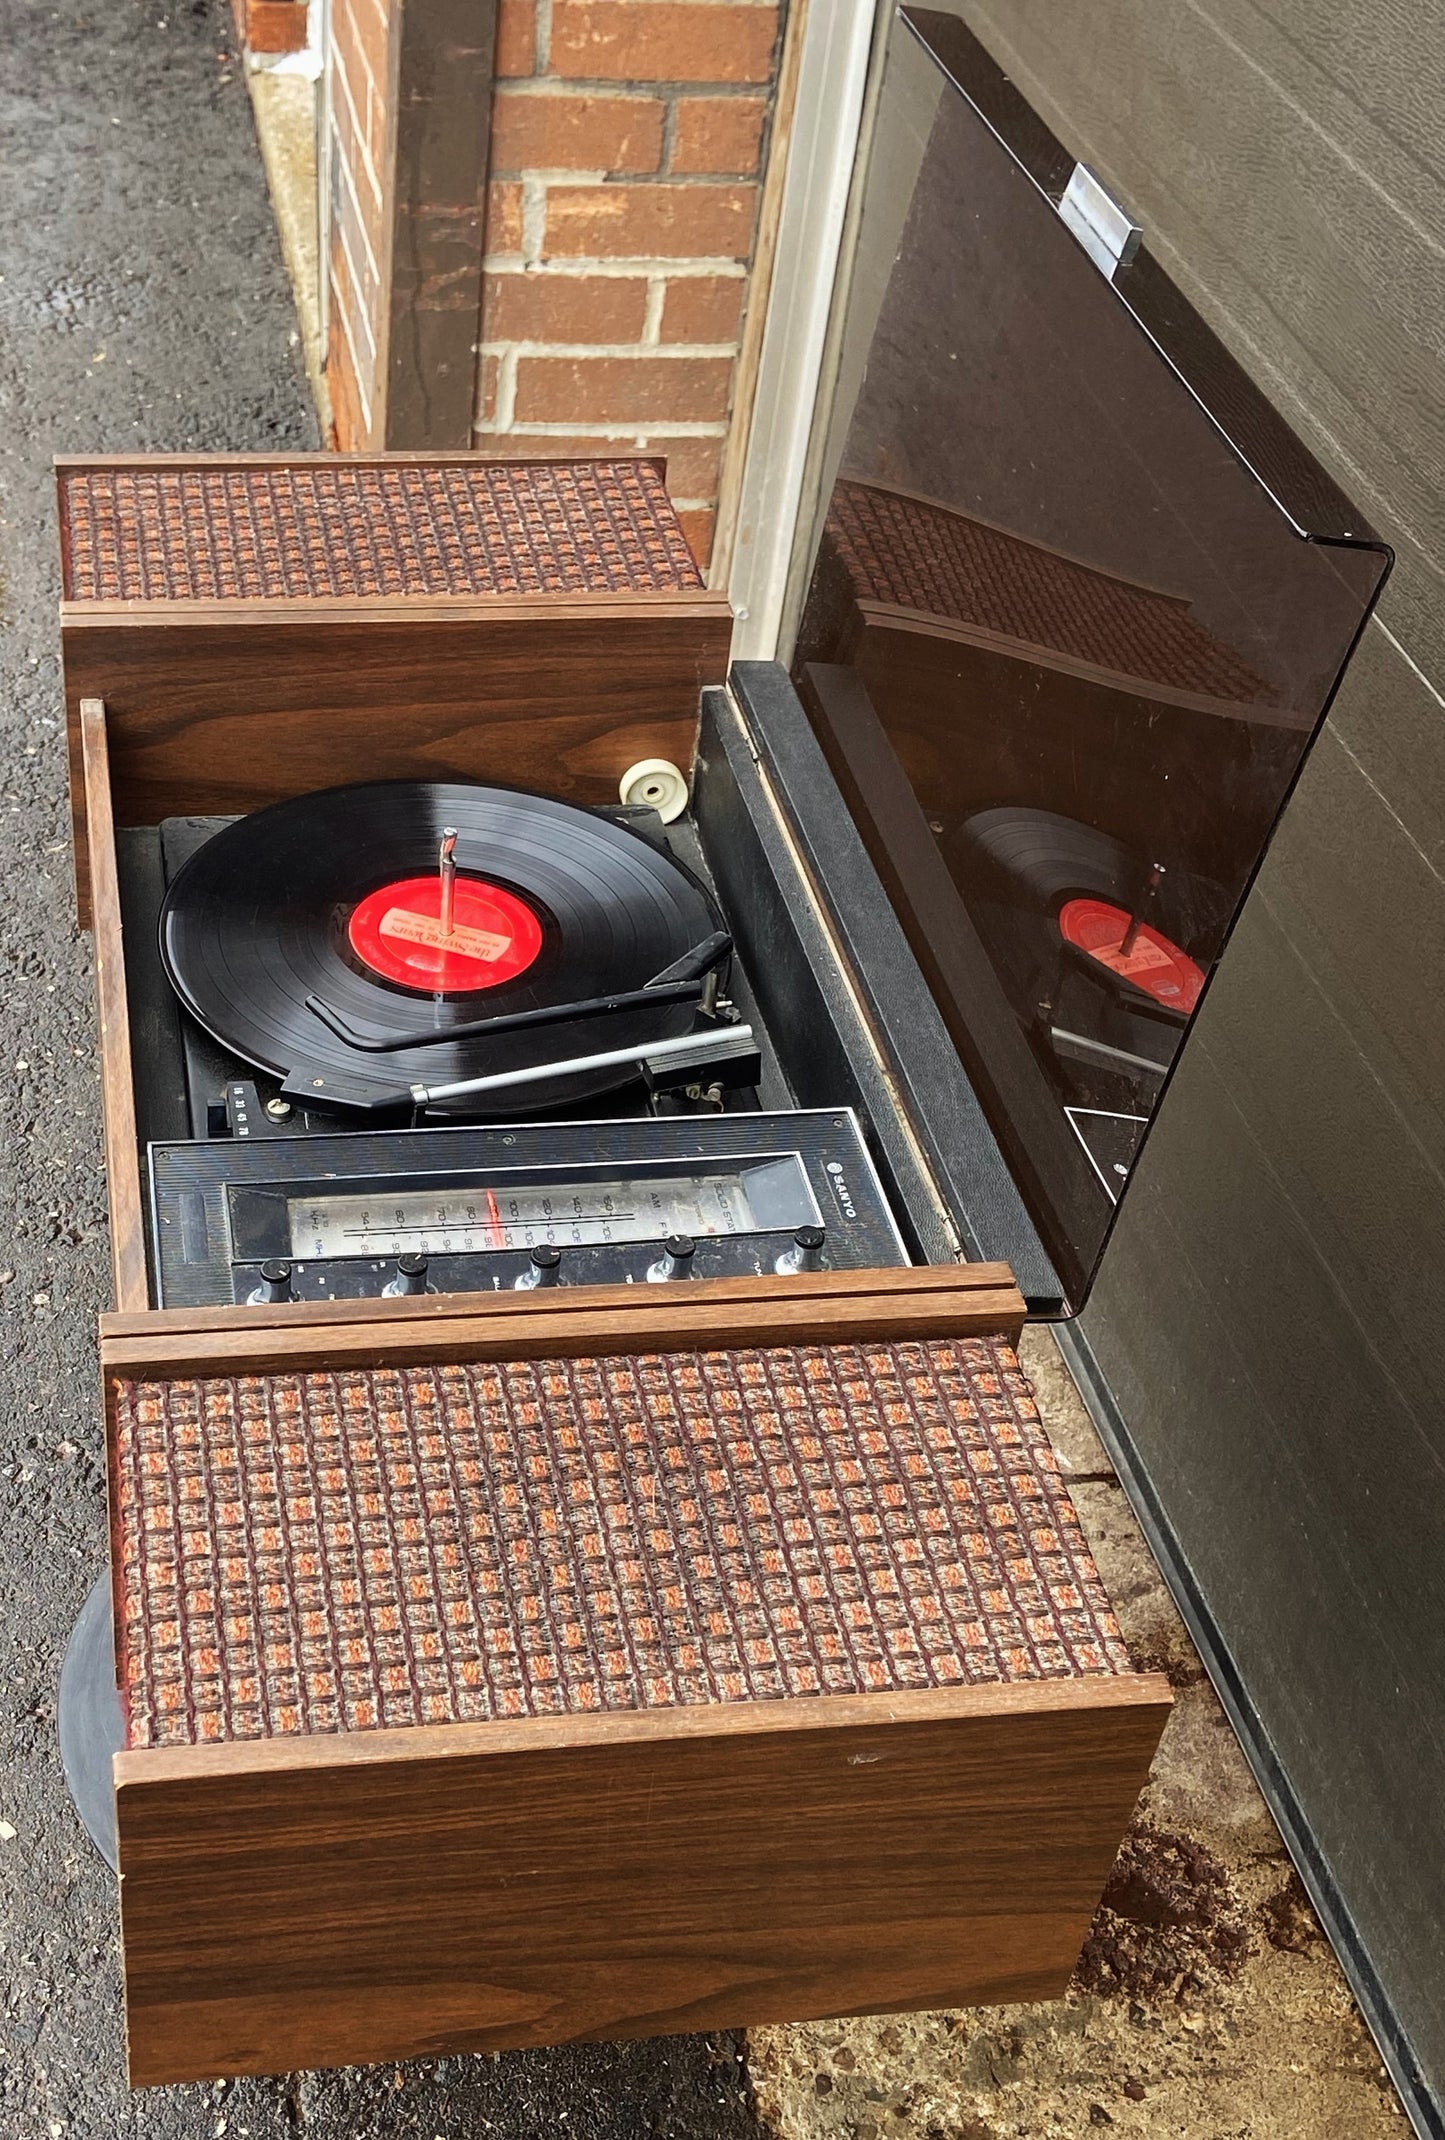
<point x="336" y="896"/>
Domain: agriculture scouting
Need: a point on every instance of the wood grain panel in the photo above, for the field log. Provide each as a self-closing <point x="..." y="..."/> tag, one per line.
<point x="474" y="1887"/>
<point x="592" y="1320"/>
<point x="219" y="708"/>
<point x="117" y="1093"/>
<point x="436" y="199"/>
<point x="812" y="1286"/>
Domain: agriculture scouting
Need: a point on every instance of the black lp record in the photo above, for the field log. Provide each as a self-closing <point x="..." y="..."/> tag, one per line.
<point x="337" y="896"/>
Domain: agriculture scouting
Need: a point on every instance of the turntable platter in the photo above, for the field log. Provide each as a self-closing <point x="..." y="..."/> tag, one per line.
<point x="336" y="900"/>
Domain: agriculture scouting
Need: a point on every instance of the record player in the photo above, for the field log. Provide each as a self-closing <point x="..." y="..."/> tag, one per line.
<point x="585" y="1126"/>
<point x="543" y="1376"/>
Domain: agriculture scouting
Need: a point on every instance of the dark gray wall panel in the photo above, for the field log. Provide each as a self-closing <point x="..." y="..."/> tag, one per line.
<point x="1271" y="1316"/>
<point x="1294" y="204"/>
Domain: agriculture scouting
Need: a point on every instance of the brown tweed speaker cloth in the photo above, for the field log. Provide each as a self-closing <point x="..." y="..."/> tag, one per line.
<point x="314" y="1553"/>
<point x="334" y="527"/>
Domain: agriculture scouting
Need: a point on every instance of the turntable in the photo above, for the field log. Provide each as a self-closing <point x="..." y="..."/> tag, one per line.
<point x="553" y="961"/>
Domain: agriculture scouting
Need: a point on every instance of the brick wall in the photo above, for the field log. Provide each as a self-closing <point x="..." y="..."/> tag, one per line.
<point x="628" y="139"/>
<point x="357" y="251"/>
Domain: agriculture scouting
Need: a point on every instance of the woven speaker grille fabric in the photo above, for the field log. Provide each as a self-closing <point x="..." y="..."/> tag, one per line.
<point x="325" y="528"/>
<point x="322" y="1553"/>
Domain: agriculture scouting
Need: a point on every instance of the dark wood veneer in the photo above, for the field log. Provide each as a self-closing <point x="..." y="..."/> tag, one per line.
<point x="221" y="707"/>
<point x="396" y="1894"/>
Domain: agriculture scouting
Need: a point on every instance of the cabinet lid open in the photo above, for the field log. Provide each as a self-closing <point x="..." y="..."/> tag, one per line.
<point x="1078" y="603"/>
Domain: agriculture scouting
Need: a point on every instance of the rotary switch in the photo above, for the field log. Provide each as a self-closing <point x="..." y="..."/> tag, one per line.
<point x="675" y="1261"/>
<point x="410" y="1278"/>
<point x="543" y="1269"/>
<point x="806" y="1253"/>
<point x="275" y="1284"/>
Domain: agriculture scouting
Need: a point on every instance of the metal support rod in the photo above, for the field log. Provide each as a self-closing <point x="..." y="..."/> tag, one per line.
<point x="645" y="1051"/>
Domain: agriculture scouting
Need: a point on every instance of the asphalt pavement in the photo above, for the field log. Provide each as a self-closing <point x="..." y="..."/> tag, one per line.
<point x="144" y="306"/>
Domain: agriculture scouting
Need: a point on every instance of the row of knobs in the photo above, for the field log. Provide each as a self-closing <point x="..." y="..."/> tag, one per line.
<point x="678" y="1250"/>
<point x="545" y="1267"/>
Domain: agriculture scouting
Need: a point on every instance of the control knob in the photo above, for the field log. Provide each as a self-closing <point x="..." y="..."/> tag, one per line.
<point x="275" y="1284"/>
<point x="410" y="1278"/>
<point x="675" y="1261"/>
<point x="806" y="1253"/>
<point x="543" y="1268"/>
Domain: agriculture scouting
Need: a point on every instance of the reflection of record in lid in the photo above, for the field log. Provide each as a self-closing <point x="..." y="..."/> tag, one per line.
<point x="337" y="896"/>
<point x="1132" y="951"/>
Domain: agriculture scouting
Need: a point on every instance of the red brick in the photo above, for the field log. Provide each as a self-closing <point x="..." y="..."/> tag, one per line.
<point x="355" y="105"/>
<point x="504" y="217"/>
<point x="363" y="26"/>
<point x="557" y="446"/>
<point x="489" y="371"/>
<point x="534" y="133"/>
<point x="348" y="428"/>
<point x="719" y="134"/>
<point x="622" y="390"/>
<point x="654" y="41"/>
<point x="697" y="527"/>
<point x="275" y="25"/>
<point x="517" y="38"/>
<point x="702" y="308"/>
<point x="349" y="127"/>
<point x="692" y="464"/>
<point x="349" y="348"/>
<point x="349" y="236"/>
<point x="538" y="307"/>
<point x="646" y="222"/>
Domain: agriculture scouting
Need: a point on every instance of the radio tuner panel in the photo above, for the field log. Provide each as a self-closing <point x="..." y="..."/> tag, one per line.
<point x="394" y="1212"/>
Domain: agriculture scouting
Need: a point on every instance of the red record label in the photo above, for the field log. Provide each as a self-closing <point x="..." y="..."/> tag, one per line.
<point x="397" y="932"/>
<point x="1151" y="962"/>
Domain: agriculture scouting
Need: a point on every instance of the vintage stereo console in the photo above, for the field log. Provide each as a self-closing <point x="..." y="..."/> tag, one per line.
<point x="585" y="1560"/>
<point x="584" y="1128"/>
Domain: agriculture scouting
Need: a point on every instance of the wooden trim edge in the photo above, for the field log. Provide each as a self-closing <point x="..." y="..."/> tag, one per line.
<point x="142" y="1767"/>
<point x="122" y="1144"/>
<point x="619" y="1326"/>
<point x="651" y="604"/>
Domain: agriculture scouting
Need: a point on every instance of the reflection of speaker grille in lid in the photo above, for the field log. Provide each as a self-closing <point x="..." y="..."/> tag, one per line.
<point x="913" y="553"/>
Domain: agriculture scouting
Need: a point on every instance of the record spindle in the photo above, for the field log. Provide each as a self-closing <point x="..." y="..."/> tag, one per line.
<point x="448" y="871"/>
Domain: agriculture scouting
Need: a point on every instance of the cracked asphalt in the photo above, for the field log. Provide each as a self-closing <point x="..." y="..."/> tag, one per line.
<point x="144" y="306"/>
